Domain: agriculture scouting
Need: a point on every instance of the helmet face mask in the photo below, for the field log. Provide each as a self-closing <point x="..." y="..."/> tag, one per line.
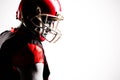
<point x="46" y="26"/>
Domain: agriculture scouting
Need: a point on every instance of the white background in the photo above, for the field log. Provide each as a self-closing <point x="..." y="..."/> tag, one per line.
<point x="89" y="48"/>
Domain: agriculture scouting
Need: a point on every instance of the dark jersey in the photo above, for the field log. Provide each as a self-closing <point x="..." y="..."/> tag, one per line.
<point x="18" y="49"/>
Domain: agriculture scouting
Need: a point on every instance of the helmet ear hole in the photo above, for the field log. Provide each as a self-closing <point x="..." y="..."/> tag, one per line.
<point x="38" y="10"/>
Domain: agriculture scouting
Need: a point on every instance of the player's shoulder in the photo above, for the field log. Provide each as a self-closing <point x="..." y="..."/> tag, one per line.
<point x="37" y="50"/>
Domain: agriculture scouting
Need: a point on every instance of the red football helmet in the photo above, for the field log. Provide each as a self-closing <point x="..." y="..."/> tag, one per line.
<point x="43" y="15"/>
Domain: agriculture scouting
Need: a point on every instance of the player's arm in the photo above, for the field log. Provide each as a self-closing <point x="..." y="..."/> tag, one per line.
<point x="30" y="62"/>
<point x="31" y="72"/>
<point x="37" y="74"/>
